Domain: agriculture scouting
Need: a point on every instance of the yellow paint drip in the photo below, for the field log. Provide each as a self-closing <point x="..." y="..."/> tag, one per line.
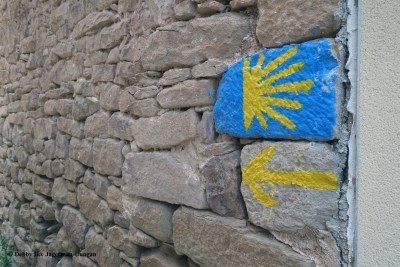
<point x="258" y="89"/>
<point x="254" y="175"/>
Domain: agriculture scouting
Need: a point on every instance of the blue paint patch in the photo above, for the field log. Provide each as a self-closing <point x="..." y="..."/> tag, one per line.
<point x="315" y="120"/>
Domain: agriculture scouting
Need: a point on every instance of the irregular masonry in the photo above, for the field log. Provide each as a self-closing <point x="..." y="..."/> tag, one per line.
<point x="109" y="146"/>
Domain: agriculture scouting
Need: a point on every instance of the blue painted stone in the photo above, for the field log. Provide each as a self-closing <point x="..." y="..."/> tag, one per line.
<point x="315" y="120"/>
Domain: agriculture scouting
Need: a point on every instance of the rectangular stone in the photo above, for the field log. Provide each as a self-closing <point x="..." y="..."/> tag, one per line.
<point x="211" y="240"/>
<point x="71" y="127"/>
<point x="164" y="177"/>
<point x="170" y="129"/>
<point x="107" y="156"/>
<point x="289" y="186"/>
<point x="189" y="93"/>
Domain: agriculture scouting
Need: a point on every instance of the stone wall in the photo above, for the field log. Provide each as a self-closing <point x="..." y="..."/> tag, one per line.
<point x="109" y="145"/>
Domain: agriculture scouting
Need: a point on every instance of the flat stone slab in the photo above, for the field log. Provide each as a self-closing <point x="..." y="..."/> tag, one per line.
<point x="293" y="92"/>
<point x="288" y="186"/>
<point x="211" y="240"/>
<point x="164" y="177"/>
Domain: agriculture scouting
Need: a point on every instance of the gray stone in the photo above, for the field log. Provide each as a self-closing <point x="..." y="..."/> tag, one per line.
<point x="107" y="156"/>
<point x="92" y="23"/>
<point x="203" y="236"/>
<point x="27" y="45"/>
<point x="101" y="185"/>
<point x="42" y="185"/>
<point x="240" y="4"/>
<point x="164" y="177"/>
<point x="62" y="146"/>
<point x="63" y="49"/>
<point x="211" y="68"/>
<point x="118" y="238"/>
<point x="59" y="191"/>
<point x="109" y="96"/>
<point x="185" y="10"/>
<point x="81" y="150"/>
<point x="174" y="76"/>
<point x="210" y="7"/>
<point x="219" y="36"/>
<point x="103" y="73"/>
<point x="296" y="206"/>
<point x="39" y="231"/>
<point x="64" y="106"/>
<point x="159" y="259"/>
<point x="96" y="125"/>
<point x="121" y="220"/>
<point x="65" y="262"/>
<point x="152" y="217"/>
<point x="308" y="20"/>
<point x="64" y="243"/>
<point x="145" y="92"/>
<point x="222" y="182"/>
<point x="114" y="198"/>
<point x="141" y="238"/>
<point x="84" y="107"/>
<point x="126" y="72"/>
<point x="73" y="170"/>
<point x="70" y="127"/>
<point x="144" y="108"/>
<point x="170" y="129"/>
<point x="107" y="38"/>
<point x="106" y="255"/>
<point x="318" y="245"/>
<point x="188" y="94"/>
<point x="93" y="207"/>
<point x="120" y="126"/>
<point x="45" y="129"/>
<point x="81" y="261"/>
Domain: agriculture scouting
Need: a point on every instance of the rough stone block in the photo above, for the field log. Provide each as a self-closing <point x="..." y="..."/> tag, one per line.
<point x="308" y="20"/>
<point x="163" y="177"/>
<point x="174" y="76"/>
<point x="118" y="238"/>
<point x="106" y="255"/>
<point x="107" y="156"/>
<point x="81" y="150"/>
<point x="170" y="129"/>
<point x="222" y="179"/>
<point x="93" y="207"/>
<point x="203" y="236"/>
<point x="84" y="107"/>
<point x="159" y="259"/>
<point x="103" y="73"/>
<point x="109" y="96"/>
<point x="70" y="127"/>
<point x="189" y="93"/>
<point x="240" y="4"/>
<point x="219" y="36"/>
<point x="120" y="126"/>
<point x="92" y="23"/>
<point x="96" y="125"/>
<point x="73" y="170"/>
<point x="42" y="185"/>
<point x="300" y="95"/>
<point x="210" y="7"/>
<point x="185" y="10"/>
<point x="210" y="68"/>
<point x="141" y="238"/>
<point x="288" y="186"/>
<point x="114" y="198"/>
<point x="144" y="108"/>
<point x="152" y="217"/>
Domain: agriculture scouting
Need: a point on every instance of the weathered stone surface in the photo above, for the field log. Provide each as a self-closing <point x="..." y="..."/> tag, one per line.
<point x="103" y="73"/>
<point x="106" y="255"/>
<point x="152" y="217"/>
<point x="120" y="126"/>
<point x="45" y="129"/>
<point x="96" y="125"/>
<point x="42" y="185"/>
<point x="210" y="7"/>
<point x="222" y="179"/>
<point x="73" y="170"/>
<point x="118" y="238"/>
<point x="318" y="245"/>
<point x="93" y="207"/>
<point x="298" y="206"/>
<point x="210" y="68"/>
<point x="92" y="23"/>
<point x="170" y="129"/>
<point x="27" y="45"/>
<point x="59" y="191"/>
<point x="203" y="236"/>
<point x="107" y="38"/>
<point x="157" y="258"/>
<point x="144" y="92"/>
<point x="107" y="156"/>
<point x="84" y="107"/>
<point x="239" y="4"/>
<point x="185" y="10"/>
<point x="188" y="94"/>
<point x="101" y="185"/>
<point x="219" y="36"/>
<point x="109" y="96"/>
<point x="114" y="198"/>
<point x="144" y="108"/>
<point x="64" y="244"/>
<point x="70" y="127"/>
<point x="80" y="261"/>
<point x="81" y="150"/>
<point x="307" y="21"/>
<point x="174" y="76"/>
<point x="141" y="238"/>
<point x="163" y="177"/>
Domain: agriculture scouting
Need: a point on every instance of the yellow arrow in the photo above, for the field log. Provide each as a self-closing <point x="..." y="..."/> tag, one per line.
<point x="254" y="175"/>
